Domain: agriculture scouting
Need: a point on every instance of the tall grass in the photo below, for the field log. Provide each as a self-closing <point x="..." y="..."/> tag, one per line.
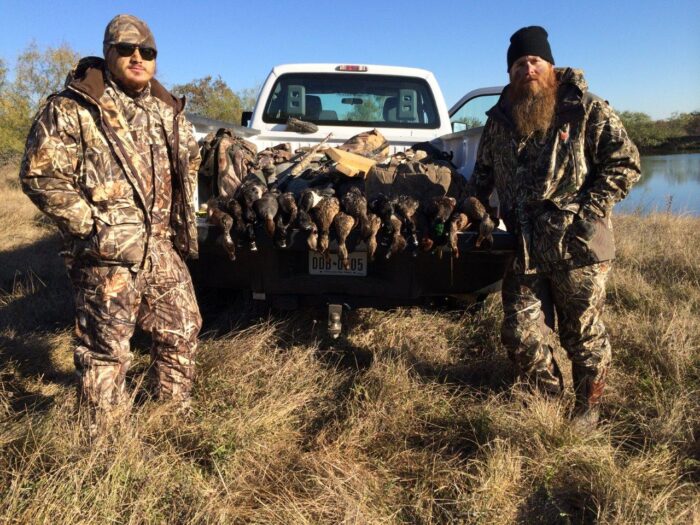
<point x="411" y="419"/>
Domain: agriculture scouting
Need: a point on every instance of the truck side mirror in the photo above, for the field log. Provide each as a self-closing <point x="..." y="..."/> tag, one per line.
<point x="245" y="118"/>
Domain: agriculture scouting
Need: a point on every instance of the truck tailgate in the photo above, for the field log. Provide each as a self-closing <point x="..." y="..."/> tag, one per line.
<point x="402" y="279"/>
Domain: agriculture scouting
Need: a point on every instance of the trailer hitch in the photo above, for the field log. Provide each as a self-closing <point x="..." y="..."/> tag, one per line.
<point x="335" y="315"/>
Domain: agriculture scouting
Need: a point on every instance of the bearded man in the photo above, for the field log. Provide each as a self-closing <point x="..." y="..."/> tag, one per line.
<point x="112" y="160"/>
<point x="559" y="159"/>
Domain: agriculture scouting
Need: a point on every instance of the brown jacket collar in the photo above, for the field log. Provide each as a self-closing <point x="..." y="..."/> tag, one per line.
<point x="88" y="77"/>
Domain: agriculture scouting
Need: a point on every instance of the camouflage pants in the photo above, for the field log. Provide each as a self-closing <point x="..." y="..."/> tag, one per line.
<point x="111" y="301"/>
<point x="529" y="305"/>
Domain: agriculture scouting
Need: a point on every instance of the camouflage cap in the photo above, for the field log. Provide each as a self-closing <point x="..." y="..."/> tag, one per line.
<point x="129" y="29"/>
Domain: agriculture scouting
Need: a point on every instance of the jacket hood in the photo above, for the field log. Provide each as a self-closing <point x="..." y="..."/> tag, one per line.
<point x="571" y="77"/>
<point x="88" y="77"/>
<point x="572" y="87"/>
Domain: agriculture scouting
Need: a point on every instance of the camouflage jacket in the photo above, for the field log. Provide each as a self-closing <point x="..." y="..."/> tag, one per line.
<point x="583" y="165"/>
<point x="82" y="167"/>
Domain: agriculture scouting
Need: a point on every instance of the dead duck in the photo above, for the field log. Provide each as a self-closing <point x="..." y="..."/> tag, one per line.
<point x="383" y="207"/>
<point x="476" y="212"/>
<point x="375" y="223"/>
<point x="266" y="208"/>
<point x="398" y="242"/>
<point x="323" y="215"/>
<point x="286" y="216"/>
<point x="343" y="224"/>
<point x="308" y="200"/>
<point x="310" y="197"/>
<point x="423" y="230"/>
<point x="312" y="238"/>
<point x="459" y="222"/>
<point x="439" y="211"/>
<point x="355" y="204"/>
<point x="406" y="208"/>
<point x="235" y="210"/>
<point x="248" y="193"/>
<point x="218" y="217"/>
<point x="304" y="220"/>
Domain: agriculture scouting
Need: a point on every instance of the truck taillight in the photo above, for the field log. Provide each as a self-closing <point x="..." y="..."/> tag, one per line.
<point x="348" y="67"/>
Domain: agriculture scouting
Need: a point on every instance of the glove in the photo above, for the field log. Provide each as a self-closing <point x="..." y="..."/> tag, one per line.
<point x="584" y="229"/>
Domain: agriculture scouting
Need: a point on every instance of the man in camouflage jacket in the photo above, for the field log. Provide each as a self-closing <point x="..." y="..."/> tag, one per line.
<point x="112" y="160"/>
<point x="559" y="159"/>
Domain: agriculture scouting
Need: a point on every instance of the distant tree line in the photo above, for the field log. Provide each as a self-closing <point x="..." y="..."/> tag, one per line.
<point x="41" y="71"/>
<point x="38" y="73"/>
<point x="213" y="98"/>
<point x="678" y="133"/>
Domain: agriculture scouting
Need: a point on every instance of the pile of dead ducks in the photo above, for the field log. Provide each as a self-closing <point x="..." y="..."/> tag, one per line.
<point x="281" y="191"/>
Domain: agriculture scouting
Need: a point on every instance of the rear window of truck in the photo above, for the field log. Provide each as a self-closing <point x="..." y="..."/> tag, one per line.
<point x="351" y="99"/>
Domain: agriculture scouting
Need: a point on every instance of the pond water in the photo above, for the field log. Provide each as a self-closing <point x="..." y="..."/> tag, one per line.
<point x="668" y="183"/>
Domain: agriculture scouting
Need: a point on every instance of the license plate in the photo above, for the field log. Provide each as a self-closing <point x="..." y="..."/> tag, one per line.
<point x="320" y="265"/>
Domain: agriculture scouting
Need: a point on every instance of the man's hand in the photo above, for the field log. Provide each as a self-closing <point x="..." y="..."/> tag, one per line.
<point x="582" y="229"/>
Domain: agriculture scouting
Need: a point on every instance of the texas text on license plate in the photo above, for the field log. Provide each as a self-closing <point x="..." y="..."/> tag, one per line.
<point x="320" y="265"/>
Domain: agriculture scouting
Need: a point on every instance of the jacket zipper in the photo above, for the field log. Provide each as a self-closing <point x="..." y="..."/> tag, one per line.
<point x="175" y="166"/>
<point x="115" y="138"/>
<point x="146" y="216"/>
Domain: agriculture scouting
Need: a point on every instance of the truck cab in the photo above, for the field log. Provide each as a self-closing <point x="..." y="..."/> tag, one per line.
<point x="405" y="104"/>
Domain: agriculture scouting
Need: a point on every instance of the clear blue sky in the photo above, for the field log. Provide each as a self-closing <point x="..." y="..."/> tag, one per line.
<point x="641" y="55"/>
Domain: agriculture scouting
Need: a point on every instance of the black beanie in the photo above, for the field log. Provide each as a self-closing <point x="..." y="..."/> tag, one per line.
<point x="531" y="40"/>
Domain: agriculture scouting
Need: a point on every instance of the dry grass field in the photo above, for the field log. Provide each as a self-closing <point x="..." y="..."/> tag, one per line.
<point x="409" y="420"/>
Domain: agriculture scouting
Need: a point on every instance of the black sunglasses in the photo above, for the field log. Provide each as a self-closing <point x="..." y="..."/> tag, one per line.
<point x="126" y="50"/>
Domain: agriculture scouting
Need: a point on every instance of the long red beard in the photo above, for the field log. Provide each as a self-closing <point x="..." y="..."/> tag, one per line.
<point x="533" y="108"/>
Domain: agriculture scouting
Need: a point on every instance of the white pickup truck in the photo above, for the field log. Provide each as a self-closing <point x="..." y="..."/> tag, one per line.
<point x="406" y="105"/>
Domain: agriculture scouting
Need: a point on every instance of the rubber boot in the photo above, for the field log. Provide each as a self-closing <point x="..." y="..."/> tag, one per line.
<point x="588" y="386"/>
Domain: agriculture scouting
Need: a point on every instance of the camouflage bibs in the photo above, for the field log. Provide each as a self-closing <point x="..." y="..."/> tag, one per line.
<point x="111" y="301"/>
<point x="370" y="144"/>
<point x="416" y="174"/>
<point x="226" y="161"/>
